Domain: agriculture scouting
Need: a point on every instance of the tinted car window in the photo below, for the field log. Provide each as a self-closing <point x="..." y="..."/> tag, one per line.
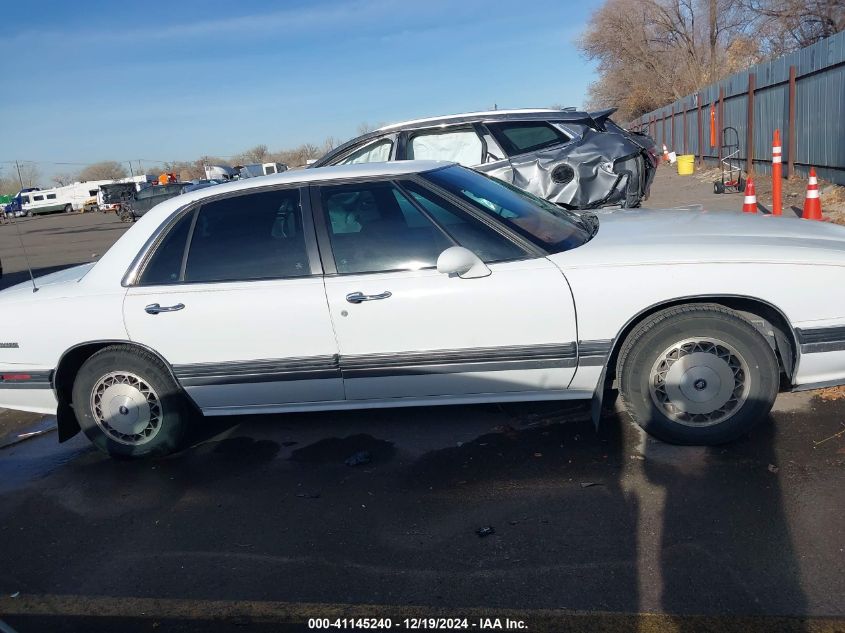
<point x="374" y="228"/>
<point x="527" y="136"/>
<point x="253" y="236"/>
<point x="377" y="152"/>
<point x="461" y="146"/>
<point x="538" y="220"/>
<point x="165" y="266"/>
<point x="467" y="231"/>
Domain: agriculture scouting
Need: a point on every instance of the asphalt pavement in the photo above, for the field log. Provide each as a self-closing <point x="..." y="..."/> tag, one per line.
<point x="523" y="512"/>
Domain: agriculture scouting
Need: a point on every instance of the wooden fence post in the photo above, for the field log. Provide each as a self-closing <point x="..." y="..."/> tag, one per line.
<point x="790" y="146"/>
<point x="749" y="137"/>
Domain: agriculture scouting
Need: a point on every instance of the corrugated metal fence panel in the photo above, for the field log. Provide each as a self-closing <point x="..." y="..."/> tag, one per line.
<point x="819" y="125"/>
<point x="820" y="111"/>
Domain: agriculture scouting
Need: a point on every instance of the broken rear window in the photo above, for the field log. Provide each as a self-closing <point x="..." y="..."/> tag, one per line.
<point x="519" y="137"/>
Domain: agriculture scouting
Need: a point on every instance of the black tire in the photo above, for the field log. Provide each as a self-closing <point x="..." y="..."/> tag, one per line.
<point x="164" y="432"/>
<point x="718" y="187"/>
<point x="740" y="185"/>
<point x="68" y="208"/>
<point x="29" y="214"/>
<point x="712" y="330"/>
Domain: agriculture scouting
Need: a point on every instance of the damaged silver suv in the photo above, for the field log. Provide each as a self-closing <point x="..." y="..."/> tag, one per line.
<point x="578" y="160"/>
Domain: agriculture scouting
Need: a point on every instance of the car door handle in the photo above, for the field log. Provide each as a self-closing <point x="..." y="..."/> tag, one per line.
<point x="155" y="308"/>
<point x="359" y="297"/>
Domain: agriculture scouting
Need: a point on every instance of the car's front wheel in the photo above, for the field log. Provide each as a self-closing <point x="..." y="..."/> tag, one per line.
<point x="697" y="374"/>
<point x="128" y="404"/>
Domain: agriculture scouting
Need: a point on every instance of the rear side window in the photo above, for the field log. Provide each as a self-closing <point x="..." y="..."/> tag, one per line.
<point x="247" y="237"/>
<point x="461" y="146"/>
<point x="165" y="265"/>
<point x="519" y="137"/>
<point x="51" y="196"/>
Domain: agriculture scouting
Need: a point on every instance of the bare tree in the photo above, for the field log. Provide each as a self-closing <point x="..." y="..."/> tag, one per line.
<point x="787" y="25"/>
<point x="651" y="52"/>
<point x="63" y="178"/>
<point x="105" y="170"/>
<point x="28" y="175"/>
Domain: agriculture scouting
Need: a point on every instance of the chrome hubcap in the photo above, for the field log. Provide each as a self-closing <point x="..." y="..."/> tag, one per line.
<point x="126" y="408"/>
<point x="699" y="382"/>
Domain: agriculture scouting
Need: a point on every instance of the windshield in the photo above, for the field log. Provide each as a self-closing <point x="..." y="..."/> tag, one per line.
<point x="545" y="224"/>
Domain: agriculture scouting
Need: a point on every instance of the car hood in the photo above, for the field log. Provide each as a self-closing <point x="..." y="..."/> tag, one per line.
<point x="52" y="285"/>
<point x="637" y="237"/>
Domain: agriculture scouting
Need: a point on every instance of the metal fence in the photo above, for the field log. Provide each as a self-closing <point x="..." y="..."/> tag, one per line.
<point x="801" y="94"/>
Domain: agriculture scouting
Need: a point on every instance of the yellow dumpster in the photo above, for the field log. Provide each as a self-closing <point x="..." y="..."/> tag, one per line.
<point x="686" y="164"/>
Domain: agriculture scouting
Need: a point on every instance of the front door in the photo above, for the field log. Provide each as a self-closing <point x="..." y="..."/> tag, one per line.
<point x="405" y="331"/>
<point x="233" y="299"/>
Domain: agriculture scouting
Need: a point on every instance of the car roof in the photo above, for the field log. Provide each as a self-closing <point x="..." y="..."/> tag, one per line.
<point x="337" y="172"/>
<point x="490" y="115"/>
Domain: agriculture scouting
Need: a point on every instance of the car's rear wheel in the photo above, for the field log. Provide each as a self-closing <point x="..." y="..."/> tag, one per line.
<point x="128" y="404"/>
<point x="697" y="374"/>
<point x="68" y="208"/>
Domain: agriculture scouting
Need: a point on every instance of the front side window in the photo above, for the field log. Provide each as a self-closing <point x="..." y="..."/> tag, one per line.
<point x="247" y="237"/>
<point x="37" y="198"/>
<point x="378" y="152"/>
<point x="520" y="137"/>
<point x="538" y="220"/>
<point x="467" y="231"/>
<point x="457" y="145"/>
<point x="374" y="228"/>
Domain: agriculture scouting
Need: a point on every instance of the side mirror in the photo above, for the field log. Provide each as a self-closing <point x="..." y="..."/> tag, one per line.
<point x="462" y="262"/>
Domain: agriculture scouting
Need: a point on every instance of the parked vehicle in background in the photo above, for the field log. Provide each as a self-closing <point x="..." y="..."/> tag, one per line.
<point x="254" y="170"/>
<point x="419" y="283"/>
<point x="112" y="196"/>
<point x="578" y="160"/>
<point x="147" y="198"/>
<point x="196" y="185"/>
<point x="45" y="201"/>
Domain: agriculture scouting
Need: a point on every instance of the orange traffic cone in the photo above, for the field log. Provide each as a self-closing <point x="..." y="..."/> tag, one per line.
<point x="749" y="203"/>
<point x="665" y="154"/>
<point x="812" y="204"/>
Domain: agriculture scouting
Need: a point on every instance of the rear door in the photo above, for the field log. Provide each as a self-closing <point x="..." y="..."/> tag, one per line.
<point x="467" y="144"/>
<point x="233" y="299"/>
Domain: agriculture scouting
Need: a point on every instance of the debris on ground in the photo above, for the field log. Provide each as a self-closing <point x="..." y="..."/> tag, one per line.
<point x="485" y="531"/>
<point x="590" y="484"/>
<point x="835" y="435"/>
<point x="22" y="437"/>
<point x="359" y="458"/>
<point x="773" y="468"/>
<point x="15" y="595"/>
<point x="832" y="393"/>
<point x="308" y="495"/>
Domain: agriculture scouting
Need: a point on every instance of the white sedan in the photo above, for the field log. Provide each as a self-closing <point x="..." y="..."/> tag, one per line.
<point x="424" y="283"/>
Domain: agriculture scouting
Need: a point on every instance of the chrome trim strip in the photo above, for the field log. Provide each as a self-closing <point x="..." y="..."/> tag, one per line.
<point x="449" y="361"/>
<point x="819" y="340"/>
<point x="38" y="379"/>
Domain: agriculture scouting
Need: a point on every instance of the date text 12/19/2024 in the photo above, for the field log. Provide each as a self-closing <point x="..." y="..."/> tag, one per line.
<point x="415" y="624"/>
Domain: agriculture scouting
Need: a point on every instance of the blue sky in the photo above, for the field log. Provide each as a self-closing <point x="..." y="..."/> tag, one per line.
<point x="96" y="80"/>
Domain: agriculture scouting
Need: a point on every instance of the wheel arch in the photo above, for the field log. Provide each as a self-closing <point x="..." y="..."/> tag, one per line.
<point x="68" y="366"/>
<point x="768" y="318"/>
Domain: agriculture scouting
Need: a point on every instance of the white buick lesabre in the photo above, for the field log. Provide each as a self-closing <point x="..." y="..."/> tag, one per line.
<point x="422" y="283"/>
